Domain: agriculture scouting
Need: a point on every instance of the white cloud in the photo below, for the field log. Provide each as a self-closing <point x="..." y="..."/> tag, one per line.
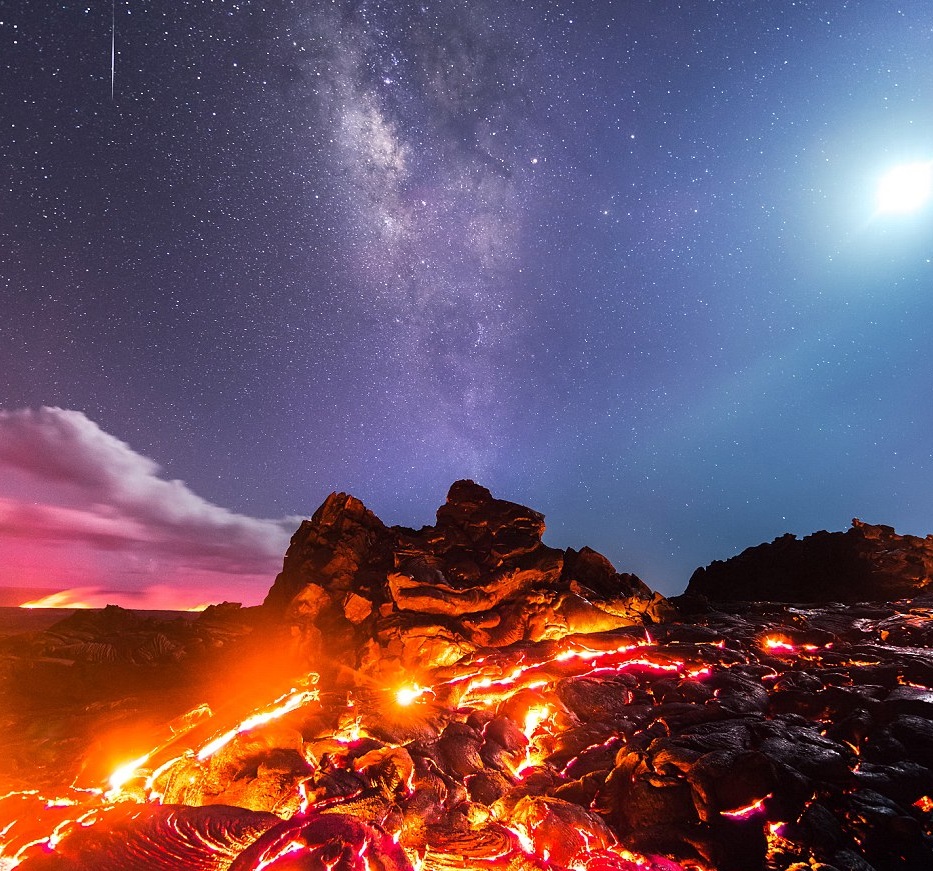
<point x="79" y="507"/>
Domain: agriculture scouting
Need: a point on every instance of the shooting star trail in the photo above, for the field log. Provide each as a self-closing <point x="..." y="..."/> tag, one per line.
<point x="113" y="45"/>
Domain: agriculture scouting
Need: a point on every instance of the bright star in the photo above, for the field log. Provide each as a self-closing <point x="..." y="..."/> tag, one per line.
<point x="905" y="188"/>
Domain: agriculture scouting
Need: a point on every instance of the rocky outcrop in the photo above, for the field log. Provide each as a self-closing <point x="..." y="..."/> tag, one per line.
<point x="864" y="564"/>
<point x="538" y="726"/>
<point x="760" y="737"/>
<point x="375" y="597"/>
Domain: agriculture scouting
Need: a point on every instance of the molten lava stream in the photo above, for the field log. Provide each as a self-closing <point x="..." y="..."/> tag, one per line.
<point x="30" y="822"/>
<point x="522" y="684"/>
<point x="496" y="677"/>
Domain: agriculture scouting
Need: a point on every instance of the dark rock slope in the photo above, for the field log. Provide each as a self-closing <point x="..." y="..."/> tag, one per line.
<point x="393" y="598"/>
<point x="864" y="564"/>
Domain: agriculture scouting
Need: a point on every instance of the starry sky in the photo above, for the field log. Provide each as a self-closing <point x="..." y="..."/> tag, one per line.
<point x="623" y="262"/>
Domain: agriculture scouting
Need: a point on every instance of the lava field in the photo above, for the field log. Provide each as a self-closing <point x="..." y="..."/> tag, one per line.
<point x="464" y="697"/>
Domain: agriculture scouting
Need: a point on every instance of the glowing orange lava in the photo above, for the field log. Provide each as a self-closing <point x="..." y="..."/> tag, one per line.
<point x="409" y="695"/>
<point x="125" y="773"/>
<point x="748" y="810"/>
<point x="283" y="705"/>
<point x="482" y="683"/>
<point x="781" y="645"/>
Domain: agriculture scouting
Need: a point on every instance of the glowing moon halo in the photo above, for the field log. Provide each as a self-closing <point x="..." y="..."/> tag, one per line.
<point x="905" y="188"/>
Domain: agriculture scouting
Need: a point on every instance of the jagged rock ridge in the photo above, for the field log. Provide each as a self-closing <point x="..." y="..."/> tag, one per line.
<point x="864" y="564"/>
<point x="480" y="577"/>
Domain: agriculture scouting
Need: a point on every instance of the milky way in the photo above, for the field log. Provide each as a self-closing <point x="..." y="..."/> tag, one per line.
<point x="620" y="261"/>
<point x="421" y="118"/>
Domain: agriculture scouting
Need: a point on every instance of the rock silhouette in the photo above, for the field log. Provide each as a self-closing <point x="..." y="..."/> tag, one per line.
<point x="864" y="564"/>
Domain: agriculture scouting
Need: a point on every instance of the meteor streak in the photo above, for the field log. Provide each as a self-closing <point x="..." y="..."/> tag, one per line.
<point x="113" y="46"/>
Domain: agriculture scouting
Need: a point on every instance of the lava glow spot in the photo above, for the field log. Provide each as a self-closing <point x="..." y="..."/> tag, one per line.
<point x="409" y="695"/>
<point x="293" y="846"/>
<point x="534" y="717"/>
<point x="749" y="809"/>
<point x="779" y="645"/>
<point x="906" y="188"/>
<point x="284" y="705"/>
<point x="126" y="773"/>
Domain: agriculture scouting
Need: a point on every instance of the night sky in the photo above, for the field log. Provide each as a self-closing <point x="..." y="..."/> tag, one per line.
<point x="623" y="262"/>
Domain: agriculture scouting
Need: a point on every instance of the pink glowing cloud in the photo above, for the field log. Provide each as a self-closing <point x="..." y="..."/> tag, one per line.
<point x="81" y="509"/>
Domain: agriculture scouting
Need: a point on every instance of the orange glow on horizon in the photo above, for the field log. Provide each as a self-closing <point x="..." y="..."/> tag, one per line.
<point x="62" y="599"/>
<point x="87" y="598"/>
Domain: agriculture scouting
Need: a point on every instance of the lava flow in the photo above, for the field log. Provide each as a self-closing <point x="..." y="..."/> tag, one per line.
<point x="377" y="775"/>
<point x="467" y="698"/>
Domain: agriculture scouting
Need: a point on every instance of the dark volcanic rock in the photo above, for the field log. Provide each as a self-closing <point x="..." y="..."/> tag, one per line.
<point x="684" y="747"/>
<point x="541" y="726"/>
<point x="395" y="598"/>
<point x="864" y="564"/>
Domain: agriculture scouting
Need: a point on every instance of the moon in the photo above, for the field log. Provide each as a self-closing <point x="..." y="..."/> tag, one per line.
<point x="905" y="188"/>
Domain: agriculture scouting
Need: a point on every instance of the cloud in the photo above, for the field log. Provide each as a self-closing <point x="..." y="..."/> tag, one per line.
<point x="80" y="508"/>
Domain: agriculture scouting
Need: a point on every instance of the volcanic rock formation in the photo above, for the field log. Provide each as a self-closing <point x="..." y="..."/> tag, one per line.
<point x="503" y="705"/>
<point x="864" y="564"/>
<point x="383" y="598"/>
